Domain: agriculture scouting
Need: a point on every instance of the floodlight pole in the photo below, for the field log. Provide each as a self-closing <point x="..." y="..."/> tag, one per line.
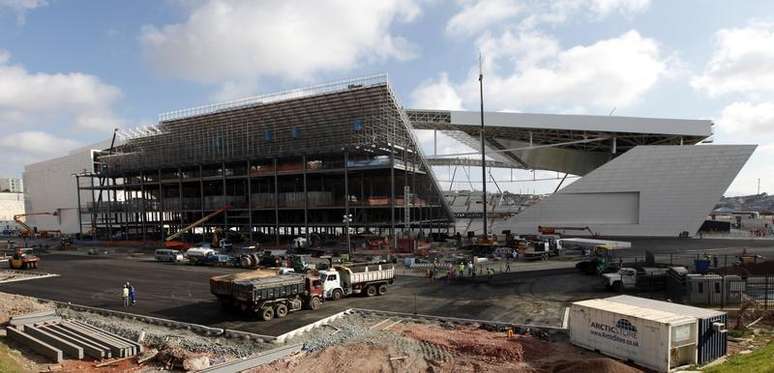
<point x="483" y="149"/>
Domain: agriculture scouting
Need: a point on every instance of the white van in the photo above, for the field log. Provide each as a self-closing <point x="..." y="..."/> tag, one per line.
<point x="166" y="255"/>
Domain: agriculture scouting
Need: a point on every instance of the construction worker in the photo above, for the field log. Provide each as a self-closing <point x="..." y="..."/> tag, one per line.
<point x="132" y="295"/>
<point x="125" y="296"/>
<point x="462" y="269"/>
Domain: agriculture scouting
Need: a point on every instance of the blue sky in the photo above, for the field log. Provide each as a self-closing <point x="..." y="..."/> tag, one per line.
<point x="70" y="71"/>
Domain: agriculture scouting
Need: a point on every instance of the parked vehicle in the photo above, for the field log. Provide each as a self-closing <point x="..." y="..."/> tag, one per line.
<point x="370" y="279"/>
<point x="631" y="278"/>
<point x="269" y="297"/>
<point x="198" y="255"/>
<point x="167" y="255"/>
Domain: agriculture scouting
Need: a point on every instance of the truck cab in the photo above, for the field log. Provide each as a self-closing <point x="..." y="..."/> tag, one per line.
<point x="625" y="278"/>
<point x="332" y="285"/>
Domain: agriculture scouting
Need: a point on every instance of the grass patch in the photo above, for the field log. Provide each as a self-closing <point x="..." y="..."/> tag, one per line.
<point x="8" y="361"/>
<point x="759" y="361"/>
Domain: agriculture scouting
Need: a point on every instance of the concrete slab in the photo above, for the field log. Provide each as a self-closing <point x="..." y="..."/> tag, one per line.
<point x="50" y="352"/>
<point x="115" y="349"/>
<point x="130" y="349"/>
<point x="137" y="345"/>
<point x="70" y="349"/>
<point x="91" y="348"/>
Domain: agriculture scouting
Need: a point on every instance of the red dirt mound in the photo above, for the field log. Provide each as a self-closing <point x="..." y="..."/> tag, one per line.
<point x="597" y="365"/>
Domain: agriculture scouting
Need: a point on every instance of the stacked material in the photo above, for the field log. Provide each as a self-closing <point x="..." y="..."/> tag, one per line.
<point x="52" y="337"/>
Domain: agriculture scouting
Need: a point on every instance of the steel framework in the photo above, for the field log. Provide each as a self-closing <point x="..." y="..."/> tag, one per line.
<point x="289" y="163"/>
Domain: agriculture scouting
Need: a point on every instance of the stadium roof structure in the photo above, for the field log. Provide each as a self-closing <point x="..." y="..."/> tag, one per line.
<point x="573" y="144"/>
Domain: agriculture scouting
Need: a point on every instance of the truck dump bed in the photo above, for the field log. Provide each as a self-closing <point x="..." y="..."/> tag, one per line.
<point x="260" y="289"/>
<point x="370" y="273"/>
<point x="223" y="285"/>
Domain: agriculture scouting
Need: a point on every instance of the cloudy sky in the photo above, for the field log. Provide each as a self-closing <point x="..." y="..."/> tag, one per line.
<point x="70" y="71"/>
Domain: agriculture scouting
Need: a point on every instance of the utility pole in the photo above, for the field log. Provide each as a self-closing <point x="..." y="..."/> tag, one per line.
<point x="759" y="185"/>
<point x="347" y="220"/>
<point x="483" y="150"/>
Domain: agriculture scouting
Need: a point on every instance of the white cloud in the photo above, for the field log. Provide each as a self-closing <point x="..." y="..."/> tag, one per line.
<point x="475" y="16"/>
<point x="560" y="11"/>
<point x="21" y="148"/>
<point x="34" y="107"/>
<point x="39" y="99"/>
<point x="749" y="123"/>
<point x="37" y="144"/>
<point x="292" y="39"/>
<point x="20" y="7"/>
<point x="529" y="71"/>
<point x="479" y="14"/>
<point x="742" y="62"/>
<point x="436" y="95"/>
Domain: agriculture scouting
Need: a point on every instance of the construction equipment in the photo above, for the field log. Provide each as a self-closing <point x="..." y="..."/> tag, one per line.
<point x="553" y="230"/>
<point x="171" y="243"/>
<point x="28" y="231"/>
<point x="371" y="280"/>
<point x="23" y="259"/>
<point x="267" y="296"/>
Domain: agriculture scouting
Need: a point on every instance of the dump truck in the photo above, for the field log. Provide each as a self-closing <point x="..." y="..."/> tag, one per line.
<point x="632" y="278"/>
<point x="267" y="294"/>
<point x="371" y="280"/>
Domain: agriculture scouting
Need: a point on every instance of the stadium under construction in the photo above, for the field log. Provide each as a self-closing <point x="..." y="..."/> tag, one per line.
<point x="290" y="164"/>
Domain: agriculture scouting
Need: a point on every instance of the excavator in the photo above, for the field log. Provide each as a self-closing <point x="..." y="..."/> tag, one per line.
<point x="28" y="231"/>
<point x="171" y="241"/>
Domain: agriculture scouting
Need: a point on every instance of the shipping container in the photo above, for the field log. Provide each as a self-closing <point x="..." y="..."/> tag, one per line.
<point x="654" y="339"/>
<point x="711" y="343"/>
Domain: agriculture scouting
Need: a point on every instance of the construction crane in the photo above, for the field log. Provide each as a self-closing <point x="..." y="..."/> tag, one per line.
<point x="27" y="230"/>
<point x="171" y="243"/>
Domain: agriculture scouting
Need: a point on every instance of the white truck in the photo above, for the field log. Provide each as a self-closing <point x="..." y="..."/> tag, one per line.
<point x="371" y="279"/>
<point x="631" y="278"/>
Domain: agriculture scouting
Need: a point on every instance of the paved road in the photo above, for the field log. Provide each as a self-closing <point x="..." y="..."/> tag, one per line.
<point x="182" y="293"/>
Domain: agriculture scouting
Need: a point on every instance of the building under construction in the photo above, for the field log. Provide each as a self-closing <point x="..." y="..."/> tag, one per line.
<point x="286" y="164"/>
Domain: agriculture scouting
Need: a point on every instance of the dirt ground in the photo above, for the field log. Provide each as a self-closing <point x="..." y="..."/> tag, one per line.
<point x="463" y="349"/>
<point x="13" y="305"/>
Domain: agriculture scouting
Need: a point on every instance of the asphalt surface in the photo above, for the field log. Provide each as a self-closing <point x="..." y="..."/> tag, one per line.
<point x="181" y="292"/>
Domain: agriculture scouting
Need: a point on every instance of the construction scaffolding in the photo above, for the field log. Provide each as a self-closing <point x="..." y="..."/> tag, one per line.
<point x="286" y="164"/>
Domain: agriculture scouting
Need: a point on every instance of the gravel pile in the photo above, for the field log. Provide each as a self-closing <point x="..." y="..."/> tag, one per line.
<point x="166" y="338"/>
<point x="344" y="329"/>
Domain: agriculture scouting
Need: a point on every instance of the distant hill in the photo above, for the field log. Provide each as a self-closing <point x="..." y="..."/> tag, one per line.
<point x="763" y="203"/>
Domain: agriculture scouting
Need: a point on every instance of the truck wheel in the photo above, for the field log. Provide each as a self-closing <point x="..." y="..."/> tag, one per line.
<point x="382" y="289"/>
<point x="617" y="286"/>
<point x="337" y="294"/>
<point x="281" y="311"/>
<point x="267" y="314"/>
<point x="370" y="291"/>
<point x="314" y="304"/>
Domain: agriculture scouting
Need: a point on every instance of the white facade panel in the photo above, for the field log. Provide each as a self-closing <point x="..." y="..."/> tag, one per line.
<point x="677" y="187"/>
<point x="50" y="186"/>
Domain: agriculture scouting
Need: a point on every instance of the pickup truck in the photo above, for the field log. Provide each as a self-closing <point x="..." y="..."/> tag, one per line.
<point x="371" y="279"/>
<point x="631" y="278"/>
<point x="268" y="296"/>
